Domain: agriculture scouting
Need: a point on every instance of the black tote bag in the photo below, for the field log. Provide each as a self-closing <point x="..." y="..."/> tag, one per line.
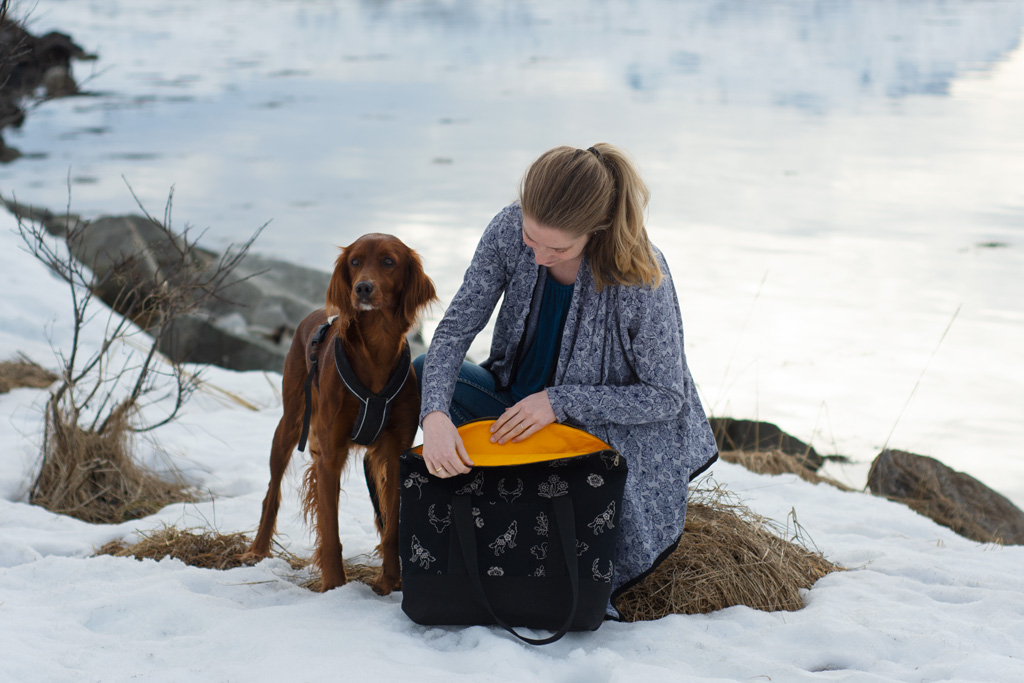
<point x="527" y="538"/>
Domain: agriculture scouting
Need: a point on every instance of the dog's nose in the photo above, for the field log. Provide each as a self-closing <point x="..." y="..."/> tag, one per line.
<point x="364" y="289"/>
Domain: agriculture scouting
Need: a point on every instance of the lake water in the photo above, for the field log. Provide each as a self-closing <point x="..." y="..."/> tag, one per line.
<point x="834" y="182"/>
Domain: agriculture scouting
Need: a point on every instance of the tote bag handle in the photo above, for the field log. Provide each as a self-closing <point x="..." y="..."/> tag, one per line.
<point x="565" y="520"/>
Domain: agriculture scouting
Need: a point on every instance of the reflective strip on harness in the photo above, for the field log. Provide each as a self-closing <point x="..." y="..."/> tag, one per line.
<point x="373" y="408"/>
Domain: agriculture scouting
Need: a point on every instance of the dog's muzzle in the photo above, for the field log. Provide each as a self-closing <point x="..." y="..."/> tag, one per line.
<point x="364" y="290"/>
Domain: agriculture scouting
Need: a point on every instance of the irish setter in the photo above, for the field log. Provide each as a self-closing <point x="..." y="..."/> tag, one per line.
<point x="376" y="292"/>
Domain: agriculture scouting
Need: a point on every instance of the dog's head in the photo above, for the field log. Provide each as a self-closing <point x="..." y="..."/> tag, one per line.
<point x="379" y="273"/>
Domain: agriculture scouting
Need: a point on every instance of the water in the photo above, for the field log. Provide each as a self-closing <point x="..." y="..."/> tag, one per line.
<point x="833" y="182"/>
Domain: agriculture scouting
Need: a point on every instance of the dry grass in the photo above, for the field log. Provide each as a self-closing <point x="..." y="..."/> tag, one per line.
<point x="22" y="372"/>
<point x="213" y="550"/>
<point x="93" y="476"/>
<point x="777" y="462"/>
<point x="196" y="547"/>
<point x="728" y="556"/>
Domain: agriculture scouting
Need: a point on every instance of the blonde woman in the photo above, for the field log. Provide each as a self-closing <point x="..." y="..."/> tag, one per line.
<point x="589" y="333"/>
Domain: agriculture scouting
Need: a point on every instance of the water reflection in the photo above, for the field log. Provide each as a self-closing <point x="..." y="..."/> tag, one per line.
<point x="821" y="171"/>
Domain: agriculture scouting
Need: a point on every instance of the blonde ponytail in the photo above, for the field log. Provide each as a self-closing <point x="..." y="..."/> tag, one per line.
<point x="596" y="192"/>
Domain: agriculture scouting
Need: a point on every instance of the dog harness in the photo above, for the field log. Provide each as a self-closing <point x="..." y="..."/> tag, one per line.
<point x="373" y="408"/>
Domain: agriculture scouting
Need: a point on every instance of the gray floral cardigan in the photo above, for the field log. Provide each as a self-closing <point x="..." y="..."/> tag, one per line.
<point x="621" y="375"/>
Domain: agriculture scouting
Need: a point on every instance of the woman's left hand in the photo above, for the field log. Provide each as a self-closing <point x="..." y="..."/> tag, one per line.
<point x="524" y="419"/>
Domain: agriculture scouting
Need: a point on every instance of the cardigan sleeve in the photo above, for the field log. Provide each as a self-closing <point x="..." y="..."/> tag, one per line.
<point x="650" y="330"/>
<point x="467" y="314"/>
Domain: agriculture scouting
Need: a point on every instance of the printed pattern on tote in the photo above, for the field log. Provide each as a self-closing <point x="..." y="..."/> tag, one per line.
<point x="421" y="555"/>
<point x="418" y="480"/>
<point x="513" y="518"/>
<point x="603" y="521"/>
<point x="506" y="540"/>
<point x="438" y="523"/>
<point x="510" y="496"/>
<point x="474" y="487"/>
<point x="542" y="525"/>
<point x="553" y="487"/>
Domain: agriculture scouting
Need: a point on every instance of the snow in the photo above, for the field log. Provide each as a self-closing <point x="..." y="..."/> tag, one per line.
<point x="917" y="602"/>
<point x="825" y="176"/>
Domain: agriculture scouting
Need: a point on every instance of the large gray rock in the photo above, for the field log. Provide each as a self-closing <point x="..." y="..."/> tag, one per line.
<point x="249" y="326"/>
<point x="953" y="499"/>
<point x="751" y="435"/>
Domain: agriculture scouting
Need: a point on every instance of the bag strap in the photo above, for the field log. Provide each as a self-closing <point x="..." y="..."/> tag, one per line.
<point x="565" y="521"/>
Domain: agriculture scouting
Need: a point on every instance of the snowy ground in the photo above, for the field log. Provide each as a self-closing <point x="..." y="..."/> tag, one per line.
<point x="919" y="604"/>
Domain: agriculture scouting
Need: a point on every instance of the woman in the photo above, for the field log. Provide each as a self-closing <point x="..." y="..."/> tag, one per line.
<point x="589" y="334"/>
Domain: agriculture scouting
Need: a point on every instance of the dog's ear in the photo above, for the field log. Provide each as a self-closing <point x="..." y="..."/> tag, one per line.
<point x="419" y="289"/>
<point x="339" y="291"/>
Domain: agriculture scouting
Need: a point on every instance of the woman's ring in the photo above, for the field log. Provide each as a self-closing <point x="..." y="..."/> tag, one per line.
<point x="521" y="427"/>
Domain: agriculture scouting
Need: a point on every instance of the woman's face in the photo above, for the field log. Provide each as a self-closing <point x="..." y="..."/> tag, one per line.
<point x="552" y="246"/>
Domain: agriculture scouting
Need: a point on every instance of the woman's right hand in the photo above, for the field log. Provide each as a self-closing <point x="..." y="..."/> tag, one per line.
<point x="443" y="450"/>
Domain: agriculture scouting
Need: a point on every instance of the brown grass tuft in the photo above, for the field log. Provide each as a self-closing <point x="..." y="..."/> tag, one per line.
<point x="195" y="547"/>
<point x="22" y="372"/>
<point x="777" y="462"/>
<point x="93" y="476"/>
<point x="212" y="550"/>
<point x="727" y="556"/>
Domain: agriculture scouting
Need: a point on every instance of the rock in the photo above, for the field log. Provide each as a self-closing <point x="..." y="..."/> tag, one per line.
<point x="57" y="82"/>
<point x="8" y="154"/>
<point x="25" y="59"/>
<point x="249" y="326"/>
<point x="953" y="499"/>
<point x="750" y="435"/>
<point x="30" y="66"/>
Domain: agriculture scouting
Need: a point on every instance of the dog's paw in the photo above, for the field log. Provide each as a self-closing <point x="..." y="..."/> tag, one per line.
<point x="251" y="557"/>
<point x="384" y="584"/>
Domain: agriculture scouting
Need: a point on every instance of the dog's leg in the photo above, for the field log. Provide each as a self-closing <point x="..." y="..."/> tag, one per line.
<point x="286" y="436"/>
<point x="326" y="488"/>
<point x="382" y="465"/>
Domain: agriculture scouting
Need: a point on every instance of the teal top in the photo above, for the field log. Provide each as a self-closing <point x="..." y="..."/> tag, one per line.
<point x="538" y="363"/>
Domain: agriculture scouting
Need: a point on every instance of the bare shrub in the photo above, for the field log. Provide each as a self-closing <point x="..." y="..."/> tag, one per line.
<point x="106" y="397"/>
<point x="728" y="555"/>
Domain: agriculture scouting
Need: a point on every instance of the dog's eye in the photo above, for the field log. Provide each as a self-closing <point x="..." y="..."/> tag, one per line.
<point x="354" y="263"/>
<point x="388" y="261"/>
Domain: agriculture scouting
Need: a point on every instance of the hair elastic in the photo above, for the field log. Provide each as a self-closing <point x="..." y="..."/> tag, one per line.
<point x="594" y="152"/>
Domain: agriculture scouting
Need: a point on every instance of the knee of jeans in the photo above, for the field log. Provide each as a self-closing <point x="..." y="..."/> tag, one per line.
<point x="417" y="366"/>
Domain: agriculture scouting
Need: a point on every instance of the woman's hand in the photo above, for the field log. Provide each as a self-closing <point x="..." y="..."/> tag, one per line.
<point x="524" y="419"/>
<point x="443" y="450"/>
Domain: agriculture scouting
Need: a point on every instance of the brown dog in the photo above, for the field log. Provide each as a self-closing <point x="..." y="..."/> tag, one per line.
<point x="376" y="292"/>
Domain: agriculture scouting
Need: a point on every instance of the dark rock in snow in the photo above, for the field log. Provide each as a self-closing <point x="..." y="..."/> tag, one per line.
<point x="953" y="499"/>
<point x="751" y="435"/>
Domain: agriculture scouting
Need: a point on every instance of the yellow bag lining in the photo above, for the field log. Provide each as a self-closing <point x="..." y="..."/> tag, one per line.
<point x="550" y="443"/>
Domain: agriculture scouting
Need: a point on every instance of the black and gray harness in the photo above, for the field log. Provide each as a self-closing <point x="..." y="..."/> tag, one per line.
<point x="373" y="408"/>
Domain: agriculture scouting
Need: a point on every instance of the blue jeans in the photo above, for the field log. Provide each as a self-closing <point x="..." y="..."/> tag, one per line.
<point x="475" y="395"/>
